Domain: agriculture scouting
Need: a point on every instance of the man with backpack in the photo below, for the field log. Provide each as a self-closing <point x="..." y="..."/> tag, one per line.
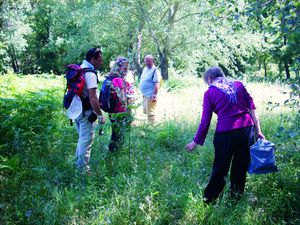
<point x="86" y="121"/>
<point x="149" y="86"/>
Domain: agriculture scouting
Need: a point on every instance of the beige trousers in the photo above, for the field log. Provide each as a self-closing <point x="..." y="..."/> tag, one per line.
<point x="149" y="109"/>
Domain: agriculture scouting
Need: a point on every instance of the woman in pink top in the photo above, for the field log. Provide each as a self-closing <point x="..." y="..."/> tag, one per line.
<point x="120" y="115"/>
<point x="234" y="133"/>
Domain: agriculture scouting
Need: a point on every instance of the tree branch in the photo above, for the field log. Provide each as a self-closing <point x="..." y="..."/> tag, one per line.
<point x="191" y="14"/>
<point x="151" y="30"/>
<point x="164" y="14"/>
<point x="266" y="3"/>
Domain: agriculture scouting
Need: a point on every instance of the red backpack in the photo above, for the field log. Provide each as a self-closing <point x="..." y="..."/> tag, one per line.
<point x="75" y="84"/>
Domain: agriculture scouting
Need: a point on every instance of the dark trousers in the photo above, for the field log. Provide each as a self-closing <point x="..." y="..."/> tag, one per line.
<point x="119" y="125"/>
<point x="231" y="147"/>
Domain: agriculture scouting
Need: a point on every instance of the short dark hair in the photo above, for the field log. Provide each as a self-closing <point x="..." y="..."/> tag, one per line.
<point x="213" y="73"/>
<point x="93" y="52"/>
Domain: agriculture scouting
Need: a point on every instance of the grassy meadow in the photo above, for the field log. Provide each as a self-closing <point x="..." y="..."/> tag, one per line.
<point x="153" y="179"/>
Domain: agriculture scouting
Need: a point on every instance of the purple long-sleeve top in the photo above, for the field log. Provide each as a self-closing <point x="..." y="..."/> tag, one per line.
<point x="230" y="115"/>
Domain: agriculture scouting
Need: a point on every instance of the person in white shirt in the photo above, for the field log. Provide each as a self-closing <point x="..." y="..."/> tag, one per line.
<point x="86" y="121"/>
<point x="149" y="86"/>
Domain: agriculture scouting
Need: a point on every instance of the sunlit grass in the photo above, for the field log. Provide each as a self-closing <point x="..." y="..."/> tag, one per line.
<point x="185" y="105"/>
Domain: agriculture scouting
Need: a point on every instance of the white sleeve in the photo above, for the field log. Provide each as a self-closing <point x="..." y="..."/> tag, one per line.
<point x="156" y="76"/>
<point x="90" y="80"/>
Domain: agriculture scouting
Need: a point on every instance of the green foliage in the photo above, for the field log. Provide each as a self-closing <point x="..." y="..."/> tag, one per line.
<point x="278" y="21"/>
<point x="45" y="36"/>
<point x="14" y="29"/>
<point x="152" y="180"/>
<point x="177" y="82"/>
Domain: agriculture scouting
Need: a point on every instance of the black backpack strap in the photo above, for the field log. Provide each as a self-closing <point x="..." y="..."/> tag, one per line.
<point x="89" y="70"/>
<point x="153" y="74"/>
<point x="85" y="101"/>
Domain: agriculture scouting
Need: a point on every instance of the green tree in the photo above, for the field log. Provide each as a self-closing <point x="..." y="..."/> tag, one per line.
<point x="169" y="24"/>
<point x="14" y="29"/>
<point x="280" y="24"/>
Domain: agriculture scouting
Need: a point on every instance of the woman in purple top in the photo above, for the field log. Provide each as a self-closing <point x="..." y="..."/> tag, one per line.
<point x="234" y="131"/>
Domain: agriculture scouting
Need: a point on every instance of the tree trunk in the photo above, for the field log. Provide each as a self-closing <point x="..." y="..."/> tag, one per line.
<point x="14" y="61"/>
<point x="265" y="67"/>
<point x="280" y="68"/>
<point x="166" y="54"/>
<point x="287" y="70"/>
<point x="285" y="60"/>
<point x="164" y="65"/>
<point x="137" y="56"/>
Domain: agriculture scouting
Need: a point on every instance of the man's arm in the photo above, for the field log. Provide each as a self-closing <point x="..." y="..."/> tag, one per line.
<point x="156" y="88"/>
<point x="154" y="96"/>
<point x="156" y="85"/>
<point x="94" y="101"/>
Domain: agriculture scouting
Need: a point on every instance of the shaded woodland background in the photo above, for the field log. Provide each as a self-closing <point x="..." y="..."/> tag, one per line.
<point x="245" y="37"/>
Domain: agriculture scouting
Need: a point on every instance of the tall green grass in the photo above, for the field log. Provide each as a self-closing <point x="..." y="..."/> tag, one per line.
<point x="152" y="180"/>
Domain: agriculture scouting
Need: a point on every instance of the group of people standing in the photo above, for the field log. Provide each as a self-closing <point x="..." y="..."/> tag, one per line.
<point x="121" y="94"/>
<point x="237" y="125"/>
